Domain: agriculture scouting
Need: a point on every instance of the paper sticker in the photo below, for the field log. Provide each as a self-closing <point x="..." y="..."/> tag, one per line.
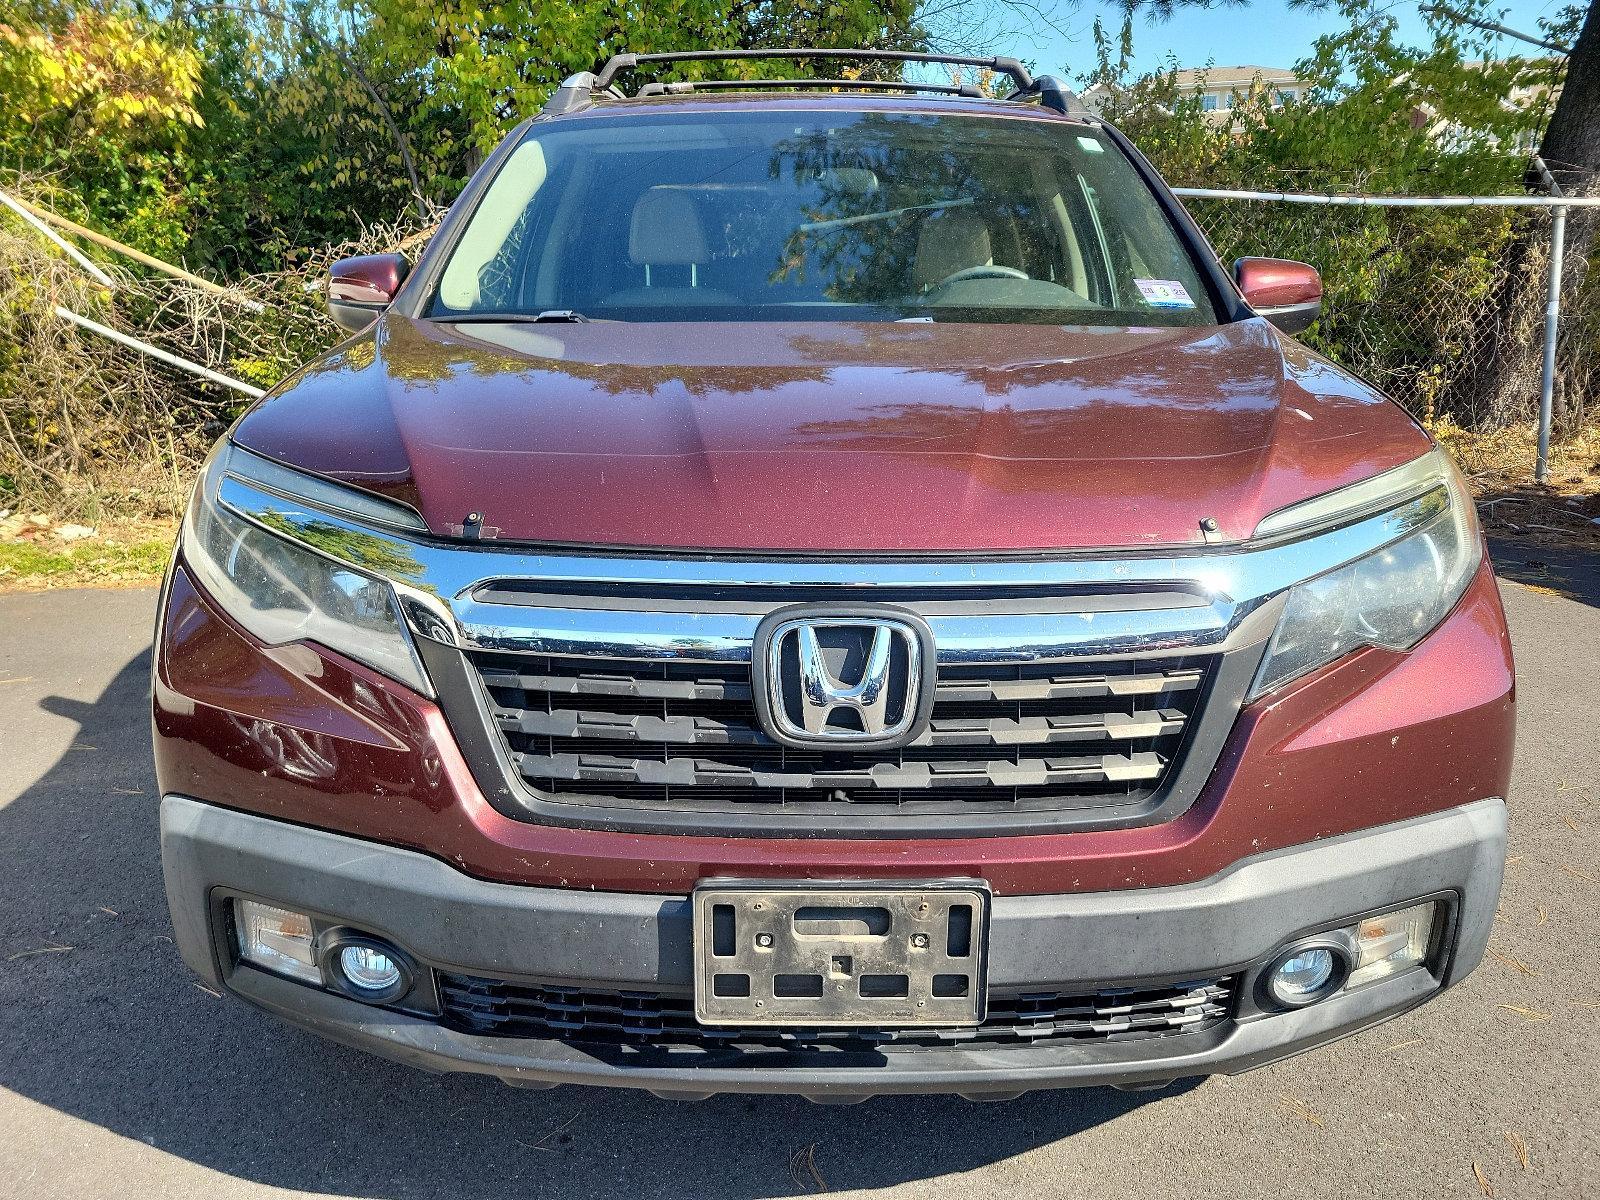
<point x="1092" y="145"/>
<point x="1163" y="293"/>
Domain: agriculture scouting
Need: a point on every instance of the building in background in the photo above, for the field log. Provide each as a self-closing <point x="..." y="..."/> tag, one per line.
<point x="1220" y="88"/>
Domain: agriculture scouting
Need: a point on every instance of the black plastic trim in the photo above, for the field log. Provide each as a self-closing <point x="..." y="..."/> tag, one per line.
<point x="690" y="87"/>
<point x="1292" y="318"/>
<point x="330" y="929"/>
<point x="619" y="63"/>
<point x="447" y="919"/>
<point x="1439" y="961"/>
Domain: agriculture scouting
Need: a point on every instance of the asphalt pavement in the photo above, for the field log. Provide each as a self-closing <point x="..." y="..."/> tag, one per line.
<point x="121" y="1076"/>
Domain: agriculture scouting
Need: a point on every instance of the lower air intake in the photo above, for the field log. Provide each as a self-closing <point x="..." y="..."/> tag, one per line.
<point x="498" y="1008"/>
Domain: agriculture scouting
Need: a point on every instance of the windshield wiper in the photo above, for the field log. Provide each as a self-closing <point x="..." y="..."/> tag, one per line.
<point x="550" y="316"/>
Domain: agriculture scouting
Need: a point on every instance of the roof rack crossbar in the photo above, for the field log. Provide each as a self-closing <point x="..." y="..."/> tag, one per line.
<point x="870" y="85"/>
<point x="618" y="63"/>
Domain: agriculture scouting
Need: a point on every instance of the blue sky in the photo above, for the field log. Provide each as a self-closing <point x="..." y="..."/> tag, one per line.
<point x="1265" y="33"/>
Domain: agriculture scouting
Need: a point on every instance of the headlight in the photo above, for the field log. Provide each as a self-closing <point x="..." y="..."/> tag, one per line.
<point x="282" y="592"/>
<point x="1392" y="597"/>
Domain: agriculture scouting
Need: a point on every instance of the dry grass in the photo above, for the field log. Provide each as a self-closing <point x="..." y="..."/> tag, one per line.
<point x="1563" y="511"/>
<point x="1519" y="1147"/>
<point x="1301" y="1109"/>
<point x="1531" y="1014"/>
<point x="102" y="438"/>
<point x="1516" y="964"/>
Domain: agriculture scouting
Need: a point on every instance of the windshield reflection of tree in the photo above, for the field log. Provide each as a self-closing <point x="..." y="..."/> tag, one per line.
<point x="868" y="256"/>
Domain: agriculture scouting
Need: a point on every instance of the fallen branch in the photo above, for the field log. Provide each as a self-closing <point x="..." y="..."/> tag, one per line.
<point x="140" y="256"/>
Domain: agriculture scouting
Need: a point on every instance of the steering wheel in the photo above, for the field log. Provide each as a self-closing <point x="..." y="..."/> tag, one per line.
<point x="985" y="271"/>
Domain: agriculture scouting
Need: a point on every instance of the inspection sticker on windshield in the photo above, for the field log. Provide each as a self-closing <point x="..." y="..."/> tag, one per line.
<point x="1164" y="293"/>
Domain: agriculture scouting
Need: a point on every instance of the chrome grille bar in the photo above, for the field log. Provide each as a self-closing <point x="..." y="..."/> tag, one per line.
<point x="705" y="772"/>
<point x="953" y="731"/>
<point x="669" y="736"/>
<point x="1192" y="599"/>
<point x="501" y="1008"/>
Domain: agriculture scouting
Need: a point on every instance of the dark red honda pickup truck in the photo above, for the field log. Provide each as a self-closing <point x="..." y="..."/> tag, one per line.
<point x="834" y="591"/>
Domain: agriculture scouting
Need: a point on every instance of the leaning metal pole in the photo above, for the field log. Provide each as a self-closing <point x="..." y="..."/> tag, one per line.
<point x="1552" y="321"/>
<point x="1552" y="324"/>
<point x="172" y="360"/>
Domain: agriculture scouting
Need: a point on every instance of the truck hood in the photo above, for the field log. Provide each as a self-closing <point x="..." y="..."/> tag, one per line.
<point x="832" y="438"/>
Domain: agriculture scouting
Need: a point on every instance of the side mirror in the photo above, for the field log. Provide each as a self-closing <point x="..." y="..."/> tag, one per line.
<point x="361" y="288"/>
<point x="1285" y="292"/>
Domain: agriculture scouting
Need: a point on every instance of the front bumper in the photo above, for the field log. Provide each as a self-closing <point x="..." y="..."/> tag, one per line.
<point x="1226" y="925"/>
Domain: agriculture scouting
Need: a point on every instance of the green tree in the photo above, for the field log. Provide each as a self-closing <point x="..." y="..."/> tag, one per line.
<point x="409" y="98"/>
<point x="1364" y="127"/>
<point x="104" y="100"/>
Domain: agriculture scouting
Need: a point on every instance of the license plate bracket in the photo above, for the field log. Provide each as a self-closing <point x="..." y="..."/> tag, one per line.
<point x="826" y="955"/>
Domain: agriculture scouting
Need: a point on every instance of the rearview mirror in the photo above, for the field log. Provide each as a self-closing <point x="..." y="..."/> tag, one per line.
<point x="361" y="288"/>
<point x="1285" y="292"/>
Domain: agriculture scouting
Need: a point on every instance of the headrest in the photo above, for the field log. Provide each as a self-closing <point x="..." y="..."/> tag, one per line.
<point x="848" y="181"/>
<point x="667" y="230"/>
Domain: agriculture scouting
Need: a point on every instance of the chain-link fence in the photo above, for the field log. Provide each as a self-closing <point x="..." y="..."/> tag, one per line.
<point x="1443" y="307"/>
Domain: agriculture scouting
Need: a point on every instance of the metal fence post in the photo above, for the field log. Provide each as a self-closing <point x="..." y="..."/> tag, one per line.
<point x="1552" y="325"/>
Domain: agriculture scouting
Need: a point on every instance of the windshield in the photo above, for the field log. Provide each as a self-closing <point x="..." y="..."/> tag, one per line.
<point x="803" y="216"/>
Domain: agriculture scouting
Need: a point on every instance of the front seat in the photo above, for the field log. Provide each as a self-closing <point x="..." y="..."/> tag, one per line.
<point x="667" y="237"/>
<point x="947" y="242"/>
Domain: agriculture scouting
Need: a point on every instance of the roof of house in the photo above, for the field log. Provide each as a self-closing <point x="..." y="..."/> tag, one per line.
<point x="1220" y="77"/>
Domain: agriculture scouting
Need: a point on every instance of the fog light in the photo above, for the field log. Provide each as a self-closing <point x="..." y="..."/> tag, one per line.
<point x="276" y="939"/>
<point x="365" y="967"/>
<point x="368" y="969"/>
<point x="1305" y="974"/>
<point x="1392" y="943"/>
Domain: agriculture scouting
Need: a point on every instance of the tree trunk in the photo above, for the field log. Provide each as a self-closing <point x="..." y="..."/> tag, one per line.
<point x="1503" y="385"/>
<point x="1571" y="145"/>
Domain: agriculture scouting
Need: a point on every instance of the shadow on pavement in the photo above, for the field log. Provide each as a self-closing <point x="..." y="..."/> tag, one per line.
<point x="1568" y="570"/>
<point x="114" y="1030"/>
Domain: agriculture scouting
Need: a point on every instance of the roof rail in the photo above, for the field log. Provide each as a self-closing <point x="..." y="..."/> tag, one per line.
<point x="575" y="92"/>
<point x="618" y="63"/>
<point x="869" y="85"/>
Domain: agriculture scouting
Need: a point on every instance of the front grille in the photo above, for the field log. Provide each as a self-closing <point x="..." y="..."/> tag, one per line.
<point x="1003" y="738"/>
<point x="581" y="1016"/>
